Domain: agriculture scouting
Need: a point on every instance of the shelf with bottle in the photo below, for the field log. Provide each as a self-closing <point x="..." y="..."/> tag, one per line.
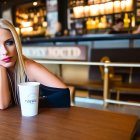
<point x="101" y="14"/>
<point x="31" y="20"/>
<point x="102" y="24"/>
<point x="95" y="23"/>
<point x="103" y="8"/>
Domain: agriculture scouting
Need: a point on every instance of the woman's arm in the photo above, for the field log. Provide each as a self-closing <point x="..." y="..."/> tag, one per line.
<point x="39" y="73"/>
<point x="53" y="92"/>
<point x="5" y="96"/>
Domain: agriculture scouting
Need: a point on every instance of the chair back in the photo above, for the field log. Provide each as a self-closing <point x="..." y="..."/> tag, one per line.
<point x="106" y="59"/>
<point x="112" y="76"/>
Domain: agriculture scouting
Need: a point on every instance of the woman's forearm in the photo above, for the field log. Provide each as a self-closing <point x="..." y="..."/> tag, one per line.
<point x="5" y="96"/>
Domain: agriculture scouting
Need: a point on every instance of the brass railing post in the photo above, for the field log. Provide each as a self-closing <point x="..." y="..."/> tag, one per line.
<point x="106" y="85"/>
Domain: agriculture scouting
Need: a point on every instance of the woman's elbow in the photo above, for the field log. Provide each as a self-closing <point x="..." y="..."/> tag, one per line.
<point x="3" y="107"/>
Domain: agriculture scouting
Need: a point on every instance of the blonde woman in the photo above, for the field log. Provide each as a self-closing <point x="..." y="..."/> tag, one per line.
<point x="16" y="68"/>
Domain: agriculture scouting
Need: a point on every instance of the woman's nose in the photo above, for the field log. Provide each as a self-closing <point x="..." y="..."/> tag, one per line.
<point x="3" y="50"/>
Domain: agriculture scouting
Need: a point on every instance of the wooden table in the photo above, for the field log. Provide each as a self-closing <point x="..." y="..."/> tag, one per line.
<point x="73" y="123"/>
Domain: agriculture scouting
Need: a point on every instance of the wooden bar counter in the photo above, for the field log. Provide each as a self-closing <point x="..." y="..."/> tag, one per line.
<point x="73" y="123"/>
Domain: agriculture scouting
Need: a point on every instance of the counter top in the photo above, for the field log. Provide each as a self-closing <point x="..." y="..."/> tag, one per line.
<point x="89" y="37"/>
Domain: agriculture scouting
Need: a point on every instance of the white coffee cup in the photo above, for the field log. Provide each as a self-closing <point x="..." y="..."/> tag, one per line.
<point x="29" y="96"/>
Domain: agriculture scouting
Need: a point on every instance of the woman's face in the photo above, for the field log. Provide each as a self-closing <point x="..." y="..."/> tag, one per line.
<point x="8" y="52"/>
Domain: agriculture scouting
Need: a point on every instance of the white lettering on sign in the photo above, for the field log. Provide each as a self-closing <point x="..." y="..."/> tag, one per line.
<point x="64" y="52"/>
<point x="54" y="52"/>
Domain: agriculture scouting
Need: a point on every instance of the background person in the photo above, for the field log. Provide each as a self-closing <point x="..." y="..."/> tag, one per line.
<point x="118" y="27"/>
<point x="16" y="68"/>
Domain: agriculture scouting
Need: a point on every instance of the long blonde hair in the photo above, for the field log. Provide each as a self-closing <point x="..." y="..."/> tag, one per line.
<point x="20" y="75"/>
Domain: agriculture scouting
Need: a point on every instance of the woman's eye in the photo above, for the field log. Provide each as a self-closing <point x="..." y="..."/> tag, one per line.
<point x="9" y="42"/>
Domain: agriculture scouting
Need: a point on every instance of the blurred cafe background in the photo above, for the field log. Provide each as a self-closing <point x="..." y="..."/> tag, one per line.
<point x="70" y="17"/>
<point x="77" y="31"/>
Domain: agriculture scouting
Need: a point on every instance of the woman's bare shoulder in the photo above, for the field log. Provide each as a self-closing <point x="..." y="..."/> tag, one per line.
<point x="31" y="64"/>
<point x="33" y="69"/>
<point x="37" y="72"/>
<point x="28" y="61"/>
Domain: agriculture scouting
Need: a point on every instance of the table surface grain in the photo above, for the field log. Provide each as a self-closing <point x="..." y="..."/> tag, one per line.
<point x="73" y="123"/>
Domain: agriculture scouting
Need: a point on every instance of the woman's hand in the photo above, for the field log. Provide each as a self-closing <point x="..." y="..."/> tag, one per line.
<point x="5" y="96"/>
<point x="2" y="63"/>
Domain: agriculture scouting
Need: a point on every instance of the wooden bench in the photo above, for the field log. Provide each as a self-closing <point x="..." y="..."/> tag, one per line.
<point x="119" y="88"/>
<point x="126" y="88"/>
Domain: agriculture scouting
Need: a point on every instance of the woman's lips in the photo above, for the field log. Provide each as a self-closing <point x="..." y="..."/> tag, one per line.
<point x="7" y="59"/>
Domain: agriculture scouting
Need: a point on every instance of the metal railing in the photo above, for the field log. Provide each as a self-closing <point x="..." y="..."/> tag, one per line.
<point x="106" y="76"/>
